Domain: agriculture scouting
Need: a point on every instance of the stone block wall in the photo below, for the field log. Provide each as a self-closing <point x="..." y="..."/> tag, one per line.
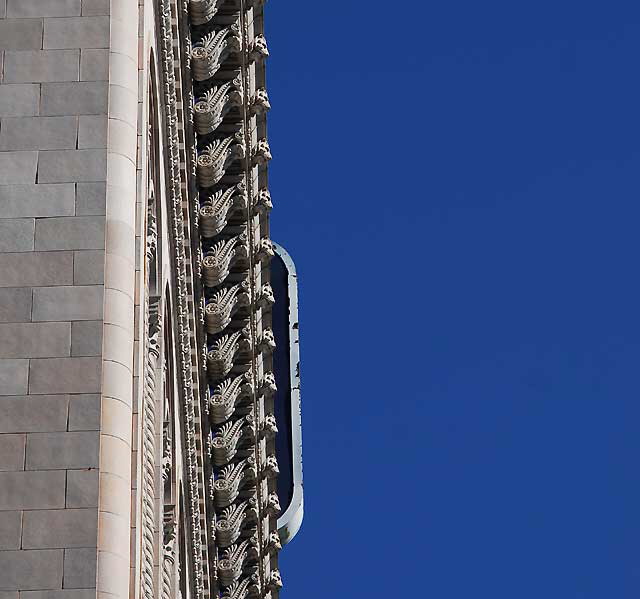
<point x="57" y="424"/>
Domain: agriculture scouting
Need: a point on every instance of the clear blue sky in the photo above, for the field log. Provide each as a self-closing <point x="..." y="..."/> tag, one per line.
<point x="459" y="184"/>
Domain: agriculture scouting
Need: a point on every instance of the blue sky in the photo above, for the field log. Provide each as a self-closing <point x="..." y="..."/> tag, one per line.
<point x="459" y="184"/>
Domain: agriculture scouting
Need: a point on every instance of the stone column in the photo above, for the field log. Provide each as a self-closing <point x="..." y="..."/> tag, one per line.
<point x="68" y="112"/>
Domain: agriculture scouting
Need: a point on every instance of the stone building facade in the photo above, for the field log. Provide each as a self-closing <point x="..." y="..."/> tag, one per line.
<point x="137" y="452"/>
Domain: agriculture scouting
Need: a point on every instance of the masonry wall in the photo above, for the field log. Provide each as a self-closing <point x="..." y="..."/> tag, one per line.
<point x="65" y="343"/>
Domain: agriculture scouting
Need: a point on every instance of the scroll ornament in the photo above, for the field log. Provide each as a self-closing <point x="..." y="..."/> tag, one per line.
<point x="214" y="212"/>
<point x="212" y="50"/>
<point x="238" y="590"/>
<point x="227" y="486"/>
<point x="222" y="306"/>
<point x="219" y="259"/>
<point x="229" y="527"/>
<point x="225" y="397"/>
<point x="202" y="11"/>
<point x="230" y="566"/>
<point x="224" y="444"/>
<point x="220" y="357"/>
<point x="215" y="159"/>
<point x="216" y="103"/>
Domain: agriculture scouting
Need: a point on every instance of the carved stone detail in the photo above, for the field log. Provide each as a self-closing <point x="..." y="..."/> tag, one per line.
<point x="215" y="210"/>
<point x="219" y="259"/>
<point x="261" y="154"/>
<point x="238" y="590"/>
<point x="220" y="357"/>
<point x="209" y="53"/>
<point x="226" y="395"/>
<point x="148" y="447"/>
<point x="216" y="158"/>
<point x="216" y="103"/>
<point x="230" y="566"/>
<point x="227" y="486"/>
<point x="223" y="304"/>
<point x="263" y="203"/>
<point x="224" y="444"/>
<point x="202" y="11"/>
<point x="259" y="48"/>
<point x="260" y="102"/>
<point x="229" y="526"/>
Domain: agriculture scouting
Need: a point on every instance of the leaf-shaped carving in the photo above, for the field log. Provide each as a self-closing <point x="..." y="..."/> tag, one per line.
<point x="224" y="444"/>
<point x="215" y="211"/>
<point x="219" y="259"/>
<point x="202" y="11"/>
<point x="227" y="485"/>
<point x="229" y="526"/>
<point x="230" y="566"/>
<point x="216" y="103"/>
<point x="214" y="160"/>
<point x="225" y="397"/>
<point x="238" y="590"/>
<point x="220" y="357"/>
<point x="223" y="304"/>
<point x="212" y="50"/>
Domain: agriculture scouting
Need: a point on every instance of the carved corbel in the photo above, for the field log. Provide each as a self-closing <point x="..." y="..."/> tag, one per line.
<point x="260" y="102"/>
<point x="221" y="355"/>
<point x="152" y="237"/>
<point x="238" y="590"/>
<point x="272" y="505"/>
<point x="212" y="50"/>
<point x="275" y="580"/>
<point x="219" y="259"/>
<point x="267" y="342"/>
<point x="216" y="103"/>
<point x="230" y="566"/>
<point x="228" y="527"/>
<point x="226" y="396"/>
<point x="273" y="542"/>
<point x="214" y="213"/>
<point x="266" y="299"/>
<point x="224" y="444"/>
<point x="261" y="154"/>
<point x="263" y="203"/>
<point x="202" y="11"/>
<point x="268" y="386"/>
<point x="259" y="48"/>
<point x="216" y="158"/>
<point x="265" y="250"/>
<point x="271" y="469"/>
<point x="269" y="427"/>
<point x="226" y="487"/>
<point x="222" y="306"/>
